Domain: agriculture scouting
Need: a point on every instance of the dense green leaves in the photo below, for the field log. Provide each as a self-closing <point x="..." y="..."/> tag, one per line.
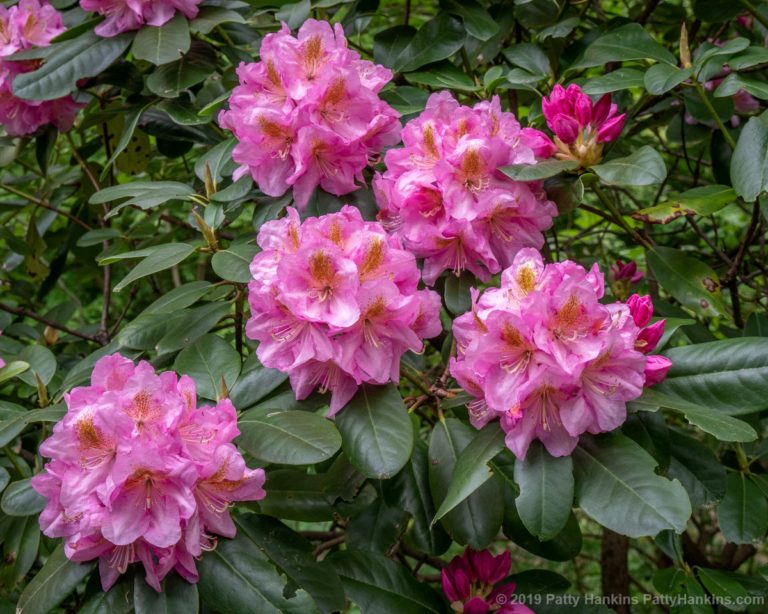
<point x="643" y="167"/>
<point x="616" y="485"/>
<point x="212" y="363"/>
<point x="58" y="577"/>
<point x="630" y="42"/>
<point x="376" y="432"/>
<point x="743" y="512"/>
<point x="177" y="597"/>
<point x="436" y="40"/>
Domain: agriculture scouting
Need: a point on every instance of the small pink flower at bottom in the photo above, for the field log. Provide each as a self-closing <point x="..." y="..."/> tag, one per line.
<point x="139" y="473"/>
<point x="472" y="583"/>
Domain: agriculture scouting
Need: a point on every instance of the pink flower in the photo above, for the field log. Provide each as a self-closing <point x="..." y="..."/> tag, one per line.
<point x="126" y="15"/>
<point x="444" y="197"/>
<point x="472" y="583"/>
<point x="335" y="303"/>
<point x="138" y="472"/>
<point x="28" y="24"/>
<point x="581" y="126"/>
<point x="309" y="113"/>
<point x="545" y="357"/>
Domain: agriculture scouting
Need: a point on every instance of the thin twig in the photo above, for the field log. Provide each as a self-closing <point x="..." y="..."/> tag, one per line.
<point x="21" y="311"/>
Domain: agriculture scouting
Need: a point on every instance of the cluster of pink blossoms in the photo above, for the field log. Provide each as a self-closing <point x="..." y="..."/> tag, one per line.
<point x="140" y="473"/>
<point x="443" y="195"/>
<point x="30" y="23"/>
<point x="127" y="15"/>
<point x="469" y="583"/>
<point x="544" y="356"/>
<point x="334" y="303"/>
<point x="309" y="113"/>
<point x="581" y="126"/>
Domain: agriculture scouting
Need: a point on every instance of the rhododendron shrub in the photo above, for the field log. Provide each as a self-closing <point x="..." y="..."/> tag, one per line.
<point x="444" y="195"/>
<point x="308" y="114"/>
<point x="29" y="24"/>
<point x="375" y="307"/>
<point x="335" y="303"/>
<point x="546" y="358"/>
<point x="139" y="472"/>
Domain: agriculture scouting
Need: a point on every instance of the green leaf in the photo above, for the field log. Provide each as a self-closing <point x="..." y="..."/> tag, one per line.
<point x="629" y="42"/>
<point x="162" y="257"/>
<point x="13" y="369"/>
<point x="730" y="376"/>
<point x="237" y="577"/>
<point x="743" y="512"/>
<point x="377" y="527"/>
<point x="689" y="280"/>
<point x="211" y="16"/>
<point x="233" y="264"/>
<point x="725" y="588"/>
<point x="97" y="235"/>
<point x="713" y="421"/>
<point x="643" y="167"/>
<point x="476" y="19"/>
<point x="41" y="361"/>
<point x="162" y="44"/>
<point x="734" y="83"/>
<point x="179" y="298"/>
<point x="457" y="292"/>
<point x="295" y="495"/>
<point x="619" y="79"/>
<point x="436" y="40"/>
<point x="660" y="78"/>
<point x="292" y="554"/>
<point x="529" y="57"/>
<point x="703" y="200"/>
<point x="476" y="519"/>
<point x="67" y="63"/>
<point x="617" y="487"/>
<point x="540" y="170"/>
<point x="255" y="382"/>
<point x="546" y="491"/>
<point x="697" y="468"/>
<point x="196" y="65"/>
<point x="132" y="117"/>
<point x="752" y="56"/>
<point x="444" y="75"/>
<point x="376" y="431"/>
<point x="51" y="585"/>
<point x="563" y="547"/>
<point x="177" y="597"/>
<point x="388" y="44"/>
<point x="20" y="499"/>
<point x="471" y="470"/>
<point x="288" y="437"/>
<point x="192" y="325"/>
<point x="749" y="164"/>
<point x="378" y="585"/>
<point x="207" y="361"/>
<point x="142" y="194"/>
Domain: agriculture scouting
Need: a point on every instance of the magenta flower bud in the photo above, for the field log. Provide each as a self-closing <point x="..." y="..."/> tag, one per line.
<point x="650" y="336"/>
<point x="656" y="369"/>
<point x="641" y="308"/>
<point x="602" y="109"/>
<point x="582" y="109"/>
<point x="627" y="272"/>
<point x="611" y="129"/>
<point x="540" y="143"/>
<point x="565" y="128"/>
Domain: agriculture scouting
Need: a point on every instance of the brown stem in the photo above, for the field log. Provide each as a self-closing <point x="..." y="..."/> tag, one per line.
<point x="21" y="311"/>
<point x="615" y="575"/>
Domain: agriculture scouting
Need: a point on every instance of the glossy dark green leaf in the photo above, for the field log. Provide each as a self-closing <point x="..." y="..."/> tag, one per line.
<point x="379" y="585"/>
<point x="192" y="325"/>
<point x="162" y="44"/>
<point x="51" y="585"/>
<point x="161" y="258"/>
<point x="177" y="597"/>
<point x="643" y="167"/>
<point x="233" y="263"/>
<point x="724" y="587"/>
<point x="237" y="577"/>
<point x="749" y="164"/>
<point x="730" y="375"/>
<point x="68" y="62"/>
<point x="477" y="519"/>
<point x="457" y="296"/>
<point x="619" y="79"/>
<point x="20" y="499"/>
<point x="207" y="361"/>
<point x="704" y="200"/>
<point x="436" y="40"/>
<point x="376" y="431"/>
<point x="20" y="548"/>
<point x="255" y="382"/>
<point x="211" y="16"/>
<point x="563" y="547"/>
<point x="629" y="42"/>
<point x="289" y="437"/>
<point x="689" y="280"/>
<point x="476" y="19"/>
<point x="196" y="65"/>
<point x="377" y="527"/>
<point x="540" y="170"/>
<point x="546" y="491"/>
<point x="616" y="485"/>
<point x="529" y="57"/>
<point x="295" y="495"/>
<point x="179" y="298"/>
<point x="743" y="512"/>
<point x="697" y="468"/>
<point x="660" y="78"/>
<point x="471" y="470"/>
<point x="143" y="194"/>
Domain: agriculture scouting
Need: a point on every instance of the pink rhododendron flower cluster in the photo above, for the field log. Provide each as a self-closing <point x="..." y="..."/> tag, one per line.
<point x="581" y="126"/>
<point x="334" y="303"/>
<point x="126" y="15"/>
<point x="138" y="472"/>
<point x="544" y="356"/>
<point x="443" y="195"/>
<point x="30" y="23"/>
<point x="470" y="584"/>
<point x="309" y="114"/>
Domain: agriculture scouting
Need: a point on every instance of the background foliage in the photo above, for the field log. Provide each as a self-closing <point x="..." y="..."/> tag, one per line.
<point x="128" y="234"/>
